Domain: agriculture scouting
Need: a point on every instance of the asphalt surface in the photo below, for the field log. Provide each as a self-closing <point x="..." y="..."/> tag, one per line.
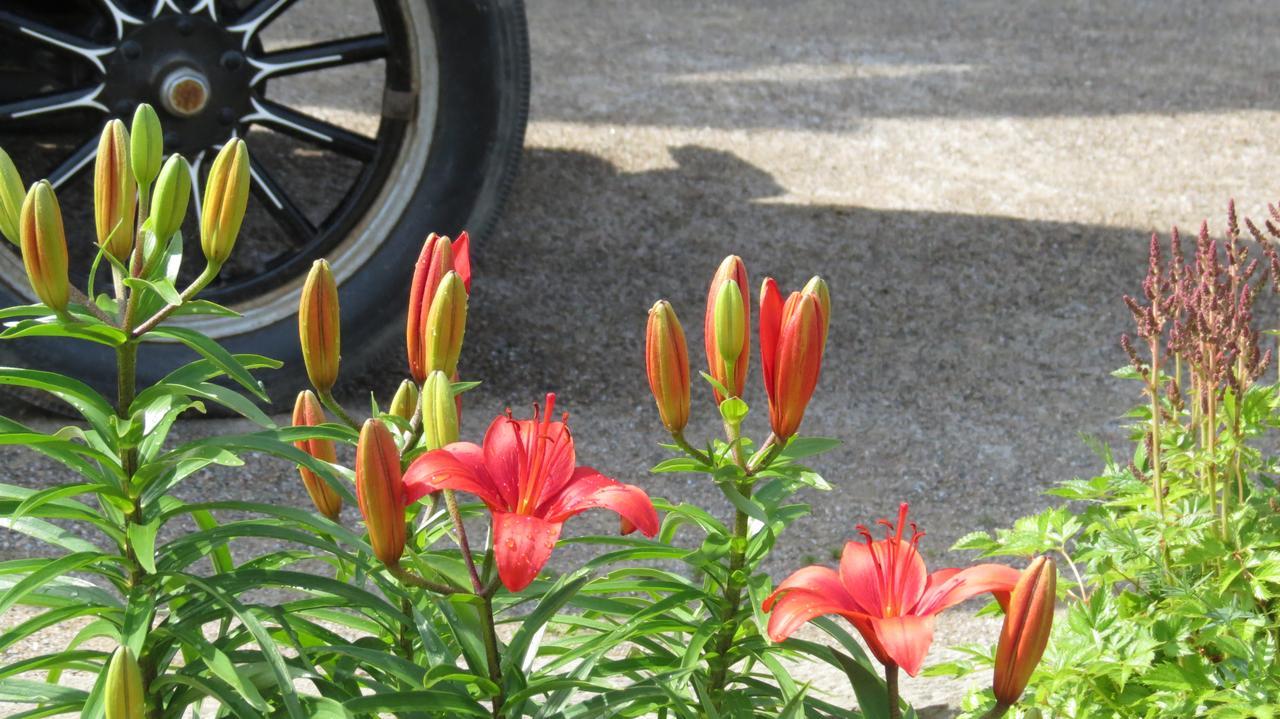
<point x="976" y="181"/>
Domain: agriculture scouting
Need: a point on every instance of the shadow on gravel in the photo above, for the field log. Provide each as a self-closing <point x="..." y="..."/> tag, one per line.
<point x="965" y="352"/>
<point x="829" y="65"/>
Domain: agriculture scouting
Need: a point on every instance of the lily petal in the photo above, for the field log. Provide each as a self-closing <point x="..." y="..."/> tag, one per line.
<point x="456" y="466"/>
<point x="462" y="259"/>
<point x="862" y="574"/>
<point x="770" y="325"/>
<point x="807" y="594"/>
<point x="521" y="546"/>
<point x="905" y="639"/>
<point x="957" y="586"/>
<point x="588" y="489"/>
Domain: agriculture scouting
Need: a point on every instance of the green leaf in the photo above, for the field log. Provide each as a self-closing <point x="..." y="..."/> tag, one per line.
<point x="216" y="354"/>
<point x="734" y="410"/>
<point x="162" y="288"/>
<point x="83" y="398"/>
<point x="53" y="569"/>
<point x="142" y="537"/>
<point x="801" y="447"/>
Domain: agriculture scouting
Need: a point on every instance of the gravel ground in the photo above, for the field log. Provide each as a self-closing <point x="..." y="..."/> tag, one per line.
<point x="977" y="181"/>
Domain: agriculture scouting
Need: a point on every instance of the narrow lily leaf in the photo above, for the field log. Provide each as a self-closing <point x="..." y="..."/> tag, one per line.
<point x="49" y="571"/>
<point x="216" y="354"/>
<point x="142" y="537"/>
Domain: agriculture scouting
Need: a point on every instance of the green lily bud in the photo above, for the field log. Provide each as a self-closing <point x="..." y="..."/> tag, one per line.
<point x="44" y="246"/>
<point x="731" y="323"/>
<point x="405" y="401"/>
<point x="319" y="327"/>
<point x="146" y="146"/>
<point x="226" y="195"/>
<point x="123" y="692"/>
<point x="114" y="192"/>
<point x="446" y="323"/>
<point x="12" y="192"/>
<point x="439" y="411"/>
<point x="170" y="197"/>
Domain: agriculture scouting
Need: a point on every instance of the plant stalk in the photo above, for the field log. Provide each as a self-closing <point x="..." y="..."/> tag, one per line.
<point x="719" y="664"/>
<point x="491" y="653"/>
<point x="891" y="686"/>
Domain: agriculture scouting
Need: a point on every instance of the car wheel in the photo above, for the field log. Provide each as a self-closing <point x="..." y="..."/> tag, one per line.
<point x="449" y="81"/>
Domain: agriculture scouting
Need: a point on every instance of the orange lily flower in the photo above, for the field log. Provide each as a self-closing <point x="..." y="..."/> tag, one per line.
<point x="884" y="590"/>
<point x="526" y="474"/>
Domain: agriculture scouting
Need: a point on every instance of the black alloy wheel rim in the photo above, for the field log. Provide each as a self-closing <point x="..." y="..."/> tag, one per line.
<point x="201" y="64"/>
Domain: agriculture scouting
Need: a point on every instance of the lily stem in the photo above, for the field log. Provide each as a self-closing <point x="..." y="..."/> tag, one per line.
<point x="682" y="443"/>
<point x="997" y="711"/>
<point x="891" y="685"/>
<point x="416" y="580"/>
<point x="719" y="663"/>
<point x="491" y="653"/>
<point x="326" y="399"/>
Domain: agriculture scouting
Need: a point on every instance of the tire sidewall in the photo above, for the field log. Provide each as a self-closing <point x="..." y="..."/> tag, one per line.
<point x="482" y="108"/>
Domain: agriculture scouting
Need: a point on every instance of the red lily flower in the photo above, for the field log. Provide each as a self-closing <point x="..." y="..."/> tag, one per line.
<point x="883" y="589"/>
<point x="526" y="474"/>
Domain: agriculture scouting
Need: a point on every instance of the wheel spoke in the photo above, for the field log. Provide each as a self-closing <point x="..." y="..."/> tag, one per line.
<point x="74" y="164"/>
<point x="119" y="16"/>
<point x="298" y="229"/>
<point x="18" y="25"/>
<point x="55" y="102"/>
<point x="319" y="56"/>
<point x="194" y="166"/>
<point x="305" y="127"/>
<point x="256" y="17"/>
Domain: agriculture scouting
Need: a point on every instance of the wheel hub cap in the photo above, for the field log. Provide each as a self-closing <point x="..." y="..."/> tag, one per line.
<point x="185" y="92"/>
<point x="188" y="66"/>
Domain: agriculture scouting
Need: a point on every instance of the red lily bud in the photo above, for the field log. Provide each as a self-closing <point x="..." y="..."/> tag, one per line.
<point x="446" y="323"/>
<point x="725" y="314"/>
<point x="114" y="191"/>
<point x="793" y="336"/>
<point x="319" y="327"/>
<point x="380" y="491"/>
<point x="667" y="363"/>
<point x="307" y="412"/>
<point x="1026" y="630"/>
<point x="438" y="257"/>
<point x="44" y="246"/>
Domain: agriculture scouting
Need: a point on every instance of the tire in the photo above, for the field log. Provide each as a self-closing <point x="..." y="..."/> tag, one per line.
<point x="474" y="121"/>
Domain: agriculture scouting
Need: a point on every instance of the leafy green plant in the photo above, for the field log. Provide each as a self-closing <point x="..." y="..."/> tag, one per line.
<point x="1171" y="586"/>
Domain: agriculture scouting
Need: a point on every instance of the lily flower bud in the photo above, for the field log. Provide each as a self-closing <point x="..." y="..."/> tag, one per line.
<point x="320" y="327"/>
<point x="724" y="329"/>
<point x="445" y="325"/>
<point x="12" y="193"/>
<point x="146" y="145"/>
<point x="307" y="412"/>
<point x="114" y="192"/>
<point x="793" y="336"/>
<point x="226" y="196"/>
<point x="1025" y="633"/>
<point x="667" y="364"/>
<point x="44" y="246"/>
<point x="439" y="256"/>
<point x="380" y="491"/>
<point x="439" y="411"/>
<point x="405" y="401"/>
<point x="817" y="287"/>
<point x="123" y="694"/>
<point x="170" y="198"/>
